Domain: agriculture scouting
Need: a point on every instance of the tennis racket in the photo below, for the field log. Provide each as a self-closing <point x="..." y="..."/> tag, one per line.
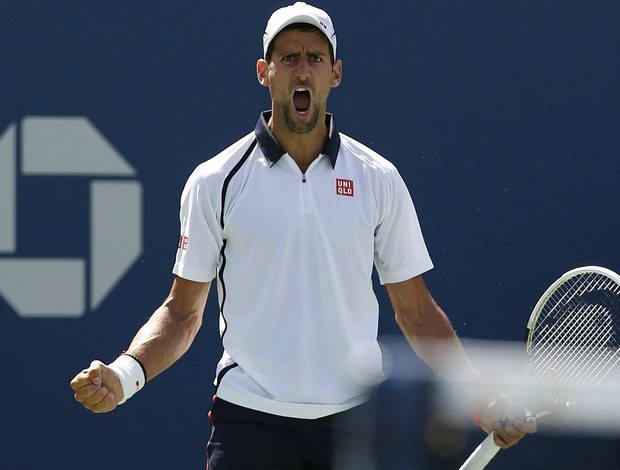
<point x="572" y="341"/>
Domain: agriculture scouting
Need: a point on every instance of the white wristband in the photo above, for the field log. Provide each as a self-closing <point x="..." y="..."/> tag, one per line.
<point x="131" y="374"/>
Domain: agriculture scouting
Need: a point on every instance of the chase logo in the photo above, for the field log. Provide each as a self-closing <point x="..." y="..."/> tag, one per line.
<point x="48" y="147"/>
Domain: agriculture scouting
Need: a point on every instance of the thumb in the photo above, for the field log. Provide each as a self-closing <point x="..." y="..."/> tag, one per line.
<point x="95" y="372"/>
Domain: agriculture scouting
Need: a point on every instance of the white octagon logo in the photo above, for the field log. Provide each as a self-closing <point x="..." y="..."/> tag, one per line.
<point x="68" y="146"/>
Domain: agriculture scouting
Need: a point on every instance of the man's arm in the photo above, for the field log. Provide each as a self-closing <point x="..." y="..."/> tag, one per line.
<point x="161" y="341"/>
<point x="428" y="330"/>
<point x="426" y="327"/>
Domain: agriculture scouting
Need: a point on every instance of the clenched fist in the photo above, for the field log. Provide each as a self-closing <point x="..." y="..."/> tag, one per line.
<point x="97" y="388"/>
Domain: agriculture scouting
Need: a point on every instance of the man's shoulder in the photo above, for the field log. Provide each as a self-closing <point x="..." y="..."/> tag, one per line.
<point x="357" y="151"/>
<point x="223" y="161"/>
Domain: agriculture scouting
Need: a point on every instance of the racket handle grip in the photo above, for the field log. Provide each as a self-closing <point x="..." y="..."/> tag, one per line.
<point x="483" y="454"/>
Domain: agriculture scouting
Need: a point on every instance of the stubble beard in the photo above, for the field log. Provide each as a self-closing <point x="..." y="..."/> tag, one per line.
<point x="299" y="127"/>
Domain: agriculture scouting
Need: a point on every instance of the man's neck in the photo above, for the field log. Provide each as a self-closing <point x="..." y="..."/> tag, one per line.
<point x="303" y="148"/>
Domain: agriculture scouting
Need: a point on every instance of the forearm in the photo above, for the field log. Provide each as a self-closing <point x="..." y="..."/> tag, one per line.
<point x="436" y="343"/>
<point x="434" y="340"/>
<point x="170" y="331"/>
<point x="163" y="339"/>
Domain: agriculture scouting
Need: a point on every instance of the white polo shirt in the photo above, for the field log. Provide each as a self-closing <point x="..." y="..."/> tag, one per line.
<point x="293" y="254"/>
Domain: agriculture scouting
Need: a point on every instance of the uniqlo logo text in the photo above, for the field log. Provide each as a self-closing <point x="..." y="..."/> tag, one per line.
<point x="183" y="242"/>
<point x="344" y="187"/>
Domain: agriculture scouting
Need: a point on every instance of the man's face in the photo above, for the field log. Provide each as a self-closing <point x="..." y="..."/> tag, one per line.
<point x="300" y="75"/>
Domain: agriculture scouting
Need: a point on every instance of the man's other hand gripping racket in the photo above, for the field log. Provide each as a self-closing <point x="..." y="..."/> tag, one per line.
<point x="572" y="342"/>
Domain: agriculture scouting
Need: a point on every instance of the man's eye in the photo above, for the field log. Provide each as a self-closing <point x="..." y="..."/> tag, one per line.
<point x="315" y="58"/>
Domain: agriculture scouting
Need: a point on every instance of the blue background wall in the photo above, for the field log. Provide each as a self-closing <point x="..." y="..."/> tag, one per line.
<point x="502" y="116"/>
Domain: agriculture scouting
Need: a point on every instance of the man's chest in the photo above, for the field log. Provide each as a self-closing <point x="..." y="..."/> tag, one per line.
<point x="275" y="204"/>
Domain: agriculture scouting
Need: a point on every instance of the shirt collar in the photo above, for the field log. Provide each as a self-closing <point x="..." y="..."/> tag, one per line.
<point x="272" y="150"/>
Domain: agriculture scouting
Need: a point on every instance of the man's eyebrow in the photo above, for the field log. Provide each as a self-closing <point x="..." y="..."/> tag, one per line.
<point x="318" y="53"/>
<point x="297" y="53"/>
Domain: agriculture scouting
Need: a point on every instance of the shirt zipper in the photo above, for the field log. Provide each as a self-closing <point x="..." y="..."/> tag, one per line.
<point x="304" y="195"/>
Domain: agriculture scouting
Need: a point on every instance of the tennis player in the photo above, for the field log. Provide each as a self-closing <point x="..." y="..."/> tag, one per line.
<point x="290" y="221"/>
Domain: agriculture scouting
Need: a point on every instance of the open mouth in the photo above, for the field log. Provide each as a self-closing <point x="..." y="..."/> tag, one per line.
<point x="301" y="100"/>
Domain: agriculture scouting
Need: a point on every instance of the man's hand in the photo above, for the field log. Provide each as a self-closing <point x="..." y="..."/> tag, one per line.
<point x="508" y="422"/>
<point x="97" y="388"/>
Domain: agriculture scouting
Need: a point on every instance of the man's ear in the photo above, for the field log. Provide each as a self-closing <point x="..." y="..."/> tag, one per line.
<point x="336" y="73"/>
<point x="262" y="72"/>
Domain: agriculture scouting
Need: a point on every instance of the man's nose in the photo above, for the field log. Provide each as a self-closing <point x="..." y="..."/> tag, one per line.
<point x="303" y="68"/>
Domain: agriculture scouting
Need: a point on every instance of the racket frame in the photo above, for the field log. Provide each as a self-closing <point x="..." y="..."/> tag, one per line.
<point x="537" y="310"/>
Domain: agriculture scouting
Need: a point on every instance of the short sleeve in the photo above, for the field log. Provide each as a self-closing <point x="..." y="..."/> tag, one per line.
<point x="200" y="237"/>
<point x="400" y="250"/>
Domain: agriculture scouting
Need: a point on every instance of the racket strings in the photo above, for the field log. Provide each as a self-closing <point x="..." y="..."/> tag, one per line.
<point x="577" y="330"/>
<point x="576" y="338"/>
<point x="583" y="332"/>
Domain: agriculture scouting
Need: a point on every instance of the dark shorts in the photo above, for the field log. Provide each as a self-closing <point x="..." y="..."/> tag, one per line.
<point x="244" y="439"/>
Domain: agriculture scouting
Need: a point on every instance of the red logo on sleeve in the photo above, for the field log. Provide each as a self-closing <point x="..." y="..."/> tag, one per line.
<point x="344" y="187"/>
<point x="183" y="242"/>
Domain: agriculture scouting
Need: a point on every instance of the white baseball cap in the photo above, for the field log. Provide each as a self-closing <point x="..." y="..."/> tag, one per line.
<point x="300" y="12"/>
